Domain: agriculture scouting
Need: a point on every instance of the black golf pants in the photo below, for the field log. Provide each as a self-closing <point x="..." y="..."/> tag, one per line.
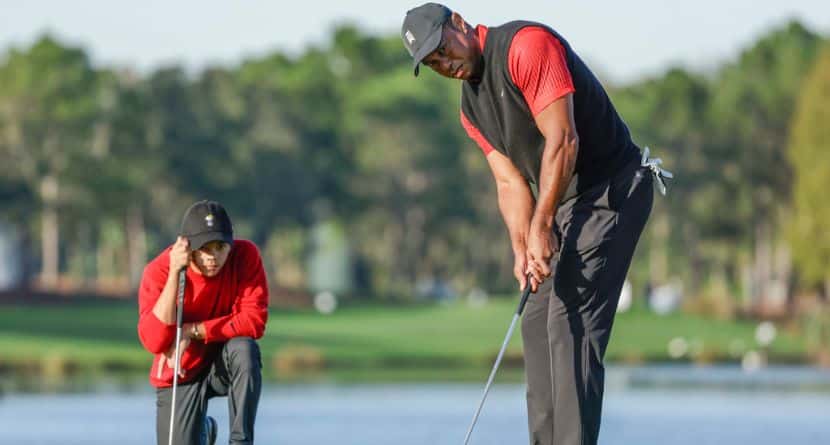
<point x="567" y="322"/>
<point x="237" y="374"/>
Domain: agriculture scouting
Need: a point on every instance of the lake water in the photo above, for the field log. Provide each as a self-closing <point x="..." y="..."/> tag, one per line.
<point x="675" y="405"/>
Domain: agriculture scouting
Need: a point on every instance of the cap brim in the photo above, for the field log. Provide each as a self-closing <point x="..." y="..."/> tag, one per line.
<point x="430" y="45"/>
<point x="197" y="241"/>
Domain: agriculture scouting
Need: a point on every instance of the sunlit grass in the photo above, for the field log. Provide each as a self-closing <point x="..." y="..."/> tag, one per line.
<point x="363" y="338"/>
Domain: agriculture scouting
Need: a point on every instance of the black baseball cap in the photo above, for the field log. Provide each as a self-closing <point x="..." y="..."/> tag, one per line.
<point x="206" y="221"/>
<point x="422" y="28"/>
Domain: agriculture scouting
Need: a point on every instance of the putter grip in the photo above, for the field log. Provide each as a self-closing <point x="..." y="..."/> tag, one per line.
<point x="525" y="296"/>
<point x="180" y="297"/>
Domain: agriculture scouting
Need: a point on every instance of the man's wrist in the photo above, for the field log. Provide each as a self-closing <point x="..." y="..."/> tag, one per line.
<point x="542" y="222"/>
<point x="519" y="249"/>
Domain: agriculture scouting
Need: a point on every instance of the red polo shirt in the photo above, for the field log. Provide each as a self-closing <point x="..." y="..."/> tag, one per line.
<point x="537" y="65"/>
<point x="234" y="303"/>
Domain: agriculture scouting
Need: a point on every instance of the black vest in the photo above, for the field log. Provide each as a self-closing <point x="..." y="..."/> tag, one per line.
<point x="496" y="106"/>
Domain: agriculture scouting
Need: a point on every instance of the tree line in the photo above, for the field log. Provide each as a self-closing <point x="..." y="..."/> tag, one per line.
<point x="341" y="139"/>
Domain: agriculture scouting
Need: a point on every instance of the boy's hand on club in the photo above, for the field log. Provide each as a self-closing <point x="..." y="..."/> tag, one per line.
<point x="179" y="254"/>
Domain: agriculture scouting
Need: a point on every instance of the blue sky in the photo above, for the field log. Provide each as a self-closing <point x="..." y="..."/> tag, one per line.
<point x="621" y="40"/>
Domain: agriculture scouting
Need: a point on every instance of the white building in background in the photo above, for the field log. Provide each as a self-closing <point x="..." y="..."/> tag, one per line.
<point x="10" y="257"/>
<point x="330" y="267"/>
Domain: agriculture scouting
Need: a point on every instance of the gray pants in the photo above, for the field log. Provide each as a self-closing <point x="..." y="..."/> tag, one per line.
<point x="567" y="323"/>
<point x="236" y="373"/>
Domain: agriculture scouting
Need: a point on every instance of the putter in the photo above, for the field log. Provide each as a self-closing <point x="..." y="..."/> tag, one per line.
<point x="516" y="316"/>
<point x="179" y="310"/>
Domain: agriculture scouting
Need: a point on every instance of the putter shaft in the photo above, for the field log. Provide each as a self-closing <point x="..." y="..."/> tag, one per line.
<point x="179" y="313"/>
<point x="504" y="344"/>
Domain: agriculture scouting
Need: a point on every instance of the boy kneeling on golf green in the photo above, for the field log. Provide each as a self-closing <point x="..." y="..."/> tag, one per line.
<point x="224" y="310"/>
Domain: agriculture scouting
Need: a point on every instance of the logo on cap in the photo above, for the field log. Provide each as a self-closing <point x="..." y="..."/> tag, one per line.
<point x="209" y="220"/>
<point x="409" y="37"/>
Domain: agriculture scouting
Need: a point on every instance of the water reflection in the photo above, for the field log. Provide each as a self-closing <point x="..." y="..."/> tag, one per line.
<point x="650" y="405"/>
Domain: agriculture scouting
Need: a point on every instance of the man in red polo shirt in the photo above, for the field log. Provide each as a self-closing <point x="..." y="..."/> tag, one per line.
<point x="574" y="191"/>
<point x="225" y="311"/>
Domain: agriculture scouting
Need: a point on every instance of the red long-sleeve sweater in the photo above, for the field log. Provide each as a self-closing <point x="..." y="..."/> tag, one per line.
<point x="232" y="304"/>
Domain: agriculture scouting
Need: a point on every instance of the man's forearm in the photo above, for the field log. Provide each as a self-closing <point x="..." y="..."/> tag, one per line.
<point x="516" y="206"/>
<point x="558" y="162"/>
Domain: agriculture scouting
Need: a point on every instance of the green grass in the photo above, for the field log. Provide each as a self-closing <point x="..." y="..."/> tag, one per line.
<point x="357" y="340"/>
<point x="646" y="335"/>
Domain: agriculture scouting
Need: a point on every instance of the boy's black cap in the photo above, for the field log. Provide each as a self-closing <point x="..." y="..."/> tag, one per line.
<point x="422" y="28"/>
<point x="206" y="221"/>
